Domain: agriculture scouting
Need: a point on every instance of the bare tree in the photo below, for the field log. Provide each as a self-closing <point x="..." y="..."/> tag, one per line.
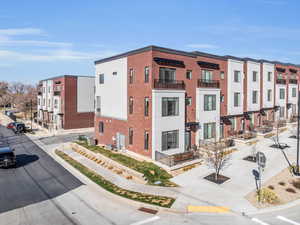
<point x="217" y="157"/>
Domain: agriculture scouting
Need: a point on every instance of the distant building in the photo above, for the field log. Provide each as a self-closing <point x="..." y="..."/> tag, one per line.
<point x="66" y="102"/>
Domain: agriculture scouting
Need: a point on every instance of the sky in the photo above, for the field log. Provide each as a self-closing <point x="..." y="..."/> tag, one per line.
<point x="42" y="39"/>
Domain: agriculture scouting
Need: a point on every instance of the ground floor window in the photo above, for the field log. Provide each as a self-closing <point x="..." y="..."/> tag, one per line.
<point x="294" y="109"/>
<point x="281" y="112"/>
<point x="170" y="139"/>
<point x="232" y="122"/>
<point x="101" y="127"/>
<point x="130" y="136"/>
<point x="221" y="130"/>
<point x="209" y="130"/>
<point x="146" y="140"/>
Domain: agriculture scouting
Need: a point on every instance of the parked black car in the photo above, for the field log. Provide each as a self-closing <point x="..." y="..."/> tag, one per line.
<point x="19" y="128"/>
<point x="7" y="157"/>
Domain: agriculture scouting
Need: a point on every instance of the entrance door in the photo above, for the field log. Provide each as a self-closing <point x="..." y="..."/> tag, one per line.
<point x="120" y="141"/>
<point x="187" y="140"/>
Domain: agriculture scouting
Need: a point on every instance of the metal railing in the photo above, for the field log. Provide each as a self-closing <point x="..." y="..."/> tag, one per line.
<point x="293" y="81"/>
<point x="208" y="83"/>
<point x="169" y="84"/>
<point x="280" y="81"/>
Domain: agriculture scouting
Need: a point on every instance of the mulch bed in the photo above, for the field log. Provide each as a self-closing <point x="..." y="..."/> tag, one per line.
<point x="221" y="179"/>
<point x="250" y="158"/>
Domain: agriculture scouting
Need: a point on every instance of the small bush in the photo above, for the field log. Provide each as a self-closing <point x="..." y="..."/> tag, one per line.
<point x="267" y="196"/>
<point x="296" y="183"/>
<point x="281" y="183"/>
<point x="291" y="190"/>
<point x="129" y="177"/>
<point x="271" y="187"/>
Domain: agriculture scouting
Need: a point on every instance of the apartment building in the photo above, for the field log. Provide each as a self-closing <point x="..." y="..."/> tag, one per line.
<point x="157" y="100"/>
<point x="66" y="102"/>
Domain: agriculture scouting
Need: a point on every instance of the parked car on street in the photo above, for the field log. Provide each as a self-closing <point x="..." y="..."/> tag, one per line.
<point x="7" y="157"/>
<point x="10" y="125"/>
<point x="19" y="128"/>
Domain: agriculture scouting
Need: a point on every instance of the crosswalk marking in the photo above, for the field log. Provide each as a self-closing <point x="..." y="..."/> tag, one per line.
<point x="287" y="220"/>
<point x="259" y="221"/>
<point x="151" y="219"/>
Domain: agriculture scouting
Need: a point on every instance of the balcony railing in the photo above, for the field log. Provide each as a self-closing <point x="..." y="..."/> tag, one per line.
<point x="280" y="81"/>
<point x="293" y="81"/>
<point x="169" y="84"/>
<point x="208" y="83"/>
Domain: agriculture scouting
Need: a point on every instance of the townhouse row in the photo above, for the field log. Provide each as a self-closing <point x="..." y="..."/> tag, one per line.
<point x="156" y="100"/>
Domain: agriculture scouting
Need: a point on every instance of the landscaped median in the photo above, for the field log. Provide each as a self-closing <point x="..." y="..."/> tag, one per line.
<point x="154" y="174"/>
<point x="158" y="200"/>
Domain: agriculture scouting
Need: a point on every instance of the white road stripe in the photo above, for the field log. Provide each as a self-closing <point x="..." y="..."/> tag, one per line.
<point x="287" y="220"/>
<point x="146" y="220"/>
<point x="259" y="221"/>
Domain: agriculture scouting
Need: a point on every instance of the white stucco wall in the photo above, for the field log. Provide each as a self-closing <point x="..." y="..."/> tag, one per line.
<point x="268" y="85"/>
<point x="160" y="123"/>
<point x="113" y="92"/>
<point x="292" y="100"/>
<point x="207" y="116"/>
<point x="253" y="86"/>
<point x="85" y="94"/>
<point x="278" y="101"/>
<point x="235" y="87"/>
<point x="49" y="95"/>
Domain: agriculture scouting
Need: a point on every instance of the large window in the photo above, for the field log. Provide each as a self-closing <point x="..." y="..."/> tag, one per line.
<point x="167" y="75"/>
<point x="209" y="130"/>
<point x="237" y="99"/>
<point x="146" y="106"/>
<point x="209" y="102"/>
<point x="254" y="97"/>
<point x="269" y="95"/>
<point x="101" y="78"/>
<point x="237" y="76"/>
<point x="269" y="76"/>
<point x="146" y="140"/>
<point x="170" y="106"/>
<point x="130" y="105"/>
<point x="207" y="75"/>
<point x="130" y="135"/>
<point x="281" y="93"/>
<point x="294" y="92"/>
<point x="254" y="76"/>
<point x="146" y="74"/>
<point x="170" y="140"/>
<point x="101" y="127"/>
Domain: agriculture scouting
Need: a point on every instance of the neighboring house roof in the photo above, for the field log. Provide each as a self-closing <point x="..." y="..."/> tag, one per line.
<point x="62" y="76"/>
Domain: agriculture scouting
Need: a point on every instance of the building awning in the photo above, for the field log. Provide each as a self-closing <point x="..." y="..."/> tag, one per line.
<point x="247" y="116"/>
<point x="225" y="120"/>
<point x="208" y="65"/>
<point x="293" y="71"/>
<point x="282" y="70"/>
<point x="262" y="112"/>
<point x="169" y="62"/>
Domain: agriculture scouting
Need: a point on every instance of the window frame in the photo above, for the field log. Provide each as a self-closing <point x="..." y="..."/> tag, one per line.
<point x="101" y="78"/>
<point x="207" y="135"/>
<point x="254" y="94"/>
<point x="101" y="127"/>
<point x="146" y="140"/>
<point x="165" y="144"/>
<point x="130" y="105"/>
<point x="189" y="74"/>
<point x="130" y="136"/>
<point x="165" y="103"/>
<point x="146" y="106"/>
<point x="210" y="105"/>
<point x="237" y="72"/>
<point x="146" y="74"/>
<point x="239" y="100"/>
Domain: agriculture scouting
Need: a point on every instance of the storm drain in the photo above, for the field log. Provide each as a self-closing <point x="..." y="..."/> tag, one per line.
<point x="147" y="210"/>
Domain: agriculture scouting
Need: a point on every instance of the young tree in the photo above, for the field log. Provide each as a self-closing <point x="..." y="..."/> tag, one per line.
<point x="216" y="157"/>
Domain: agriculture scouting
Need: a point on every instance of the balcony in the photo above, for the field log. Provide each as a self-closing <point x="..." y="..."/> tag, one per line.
<point x="208" y="83"/>
<point x="293" y="81"/>
<point x="280" y="81"/>
<point x="56" y="93"/>
<point x="169" y="84"/>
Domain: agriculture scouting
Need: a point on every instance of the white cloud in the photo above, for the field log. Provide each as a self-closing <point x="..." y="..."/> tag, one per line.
<point x="202" y="46"/>
<point x="9" y="42"/>
<point x="21" y="31"/>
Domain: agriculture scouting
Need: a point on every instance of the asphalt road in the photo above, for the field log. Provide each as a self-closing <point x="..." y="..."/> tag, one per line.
<point x="58" y="139"/>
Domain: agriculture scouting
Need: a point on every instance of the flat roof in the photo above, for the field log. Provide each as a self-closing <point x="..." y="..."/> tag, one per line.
<point x="61" y="76"/>
<point x="193" y="54"/>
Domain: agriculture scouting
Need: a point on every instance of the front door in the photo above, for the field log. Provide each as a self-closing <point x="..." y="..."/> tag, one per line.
<point x="120" y="141"/>
<point x="187" y="140"/>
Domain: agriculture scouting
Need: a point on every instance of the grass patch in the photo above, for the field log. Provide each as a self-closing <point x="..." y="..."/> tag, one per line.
<point x="161" y="201"/>
<point x="152" y="172"/>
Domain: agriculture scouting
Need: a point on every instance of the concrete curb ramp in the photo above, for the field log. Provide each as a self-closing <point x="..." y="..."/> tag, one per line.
<point x="208" y="209"/>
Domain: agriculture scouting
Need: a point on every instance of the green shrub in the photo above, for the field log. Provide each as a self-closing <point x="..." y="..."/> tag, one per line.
<point x="267" y="196"/>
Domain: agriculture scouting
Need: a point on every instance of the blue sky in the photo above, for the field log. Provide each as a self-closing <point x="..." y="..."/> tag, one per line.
<point x="40" y="39"/>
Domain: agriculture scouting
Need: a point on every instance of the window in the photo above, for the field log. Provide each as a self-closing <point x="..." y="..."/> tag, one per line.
<point x="49" y="102"/>
<point x="98" y="104"/>
<point x="146" y="106"/>
<point x="44" y="102"/>
<point x="222" y="98"/>
<point x="114" y="73"/>
<point x="209" y="102"/>
<point x="101" y="127"/>
<point x="222" y="75"/>
<point x="130" y="105"/>
<point x="167" y="74"/>
<point x="269" y="76"/>
<point x="188" y="101"/>
<point x="207" y="75"/>
<point x="169" y="140"/>
<point x="44" y="89"/>
<point x="146" y="74"/>
<point x="101" y="78"/>
<point x="49" y="90"/>
<point x="221" y="130"/>
<point x="237" y="76"/>
<point x="130" y="131"/>
<point x="294" y="92"/>
<point x="281" y="93"/>
<point x="232" y="121"/>
<point x="269" y="95"/>
<point x="281" y="112"/>
<point x="209" y="130"/>
<point x="146" y="140"/>
<point x="189" y="74"/>
<point x="237" y="99"/>
<point x="131" y="76"/>
<point x="254" y="97"/>
<point x="279" y="76"/>
<point x="39" y="102"/>
<point x="170" y="106"/>
<point x="254" y="76"/>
